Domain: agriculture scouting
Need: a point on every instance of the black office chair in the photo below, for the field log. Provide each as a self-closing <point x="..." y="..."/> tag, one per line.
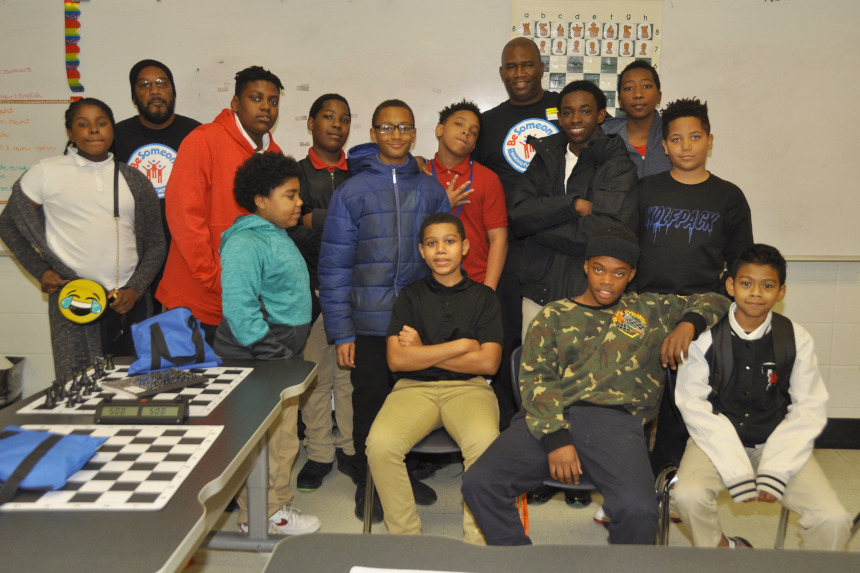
<point x="584" y="484"/>
<point x="436" y="442"/>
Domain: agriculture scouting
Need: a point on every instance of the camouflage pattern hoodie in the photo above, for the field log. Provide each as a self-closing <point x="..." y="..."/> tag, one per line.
<point x="603" y="355"/>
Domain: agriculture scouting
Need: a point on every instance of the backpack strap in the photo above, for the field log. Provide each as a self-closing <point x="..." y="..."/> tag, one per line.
<point x="10" y="487"/>
<point x="784" y="346"/>
<point x="719" y="355"/>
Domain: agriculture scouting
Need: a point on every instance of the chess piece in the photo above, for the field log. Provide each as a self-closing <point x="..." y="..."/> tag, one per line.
<point x="50" y="401"/>
<point x="110" y="364"/>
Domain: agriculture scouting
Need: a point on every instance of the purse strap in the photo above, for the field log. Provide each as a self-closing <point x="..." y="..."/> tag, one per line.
<point x="159" y="349"/>
<point x="10" y="487"/>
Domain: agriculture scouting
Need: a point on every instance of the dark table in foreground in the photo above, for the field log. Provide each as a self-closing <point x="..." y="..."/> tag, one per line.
<point x="162" y="540"/>
<point x="337" y="553"/>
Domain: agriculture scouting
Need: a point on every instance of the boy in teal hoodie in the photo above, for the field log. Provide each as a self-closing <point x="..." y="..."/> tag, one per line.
<point x="267" y="310"/>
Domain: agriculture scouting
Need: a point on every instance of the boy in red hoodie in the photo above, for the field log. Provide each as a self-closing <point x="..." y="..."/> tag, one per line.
<point x="199" y="196"/>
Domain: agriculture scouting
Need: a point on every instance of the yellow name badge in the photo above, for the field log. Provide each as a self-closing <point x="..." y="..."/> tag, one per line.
<point x="82" y="300"/>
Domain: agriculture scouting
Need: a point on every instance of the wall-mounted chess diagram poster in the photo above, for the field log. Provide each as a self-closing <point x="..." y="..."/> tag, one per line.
<point x="590" y="40"/>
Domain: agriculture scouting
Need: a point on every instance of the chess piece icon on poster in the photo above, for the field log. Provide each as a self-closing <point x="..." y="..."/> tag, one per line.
<point x="627" y="48"/>
<point x="593" y="30"/>
<point x="576" y="30"/>
<point x="575" y="47"/>
<point x="559" y="48"/>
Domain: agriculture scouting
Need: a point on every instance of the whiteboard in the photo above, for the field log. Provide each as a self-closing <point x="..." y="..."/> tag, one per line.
<point x="775" y="74"/>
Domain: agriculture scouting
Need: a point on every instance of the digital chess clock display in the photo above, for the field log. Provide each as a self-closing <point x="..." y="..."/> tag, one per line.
<point x="141" y="412"/>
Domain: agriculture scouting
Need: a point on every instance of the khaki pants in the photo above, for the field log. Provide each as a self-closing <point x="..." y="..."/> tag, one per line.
<point x="468" y="410"/>
<point x="283" y="449"/>
<point x="321" y="438"/>
<point x="824" y="522"/>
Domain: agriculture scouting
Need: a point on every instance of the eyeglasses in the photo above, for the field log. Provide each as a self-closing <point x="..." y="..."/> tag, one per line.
<point x="159" y="83"/>
<point x="390" y="127"/>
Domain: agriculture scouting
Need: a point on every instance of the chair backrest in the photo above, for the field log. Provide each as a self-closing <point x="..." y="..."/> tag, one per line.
<point x="516" y="357"/>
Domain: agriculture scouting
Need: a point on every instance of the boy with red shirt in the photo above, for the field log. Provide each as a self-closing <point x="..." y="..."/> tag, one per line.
<point x="475" y="192"/>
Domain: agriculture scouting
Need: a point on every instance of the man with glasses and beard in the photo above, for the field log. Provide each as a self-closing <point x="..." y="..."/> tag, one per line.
<point x="150" y="140"/>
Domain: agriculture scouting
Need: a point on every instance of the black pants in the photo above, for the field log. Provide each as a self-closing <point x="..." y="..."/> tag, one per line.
<point x="611" y="447"/>
<point x="371" y="382"/>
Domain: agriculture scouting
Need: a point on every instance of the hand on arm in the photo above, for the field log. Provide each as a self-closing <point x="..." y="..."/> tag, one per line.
<point x="564" y="465"/>
<point x="582" y="207"/>
<point x="675" y="347"/>
<point x="415" y="356"/>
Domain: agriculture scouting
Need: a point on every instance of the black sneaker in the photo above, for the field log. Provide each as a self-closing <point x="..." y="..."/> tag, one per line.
<point x="577" y="497"/>
<point x="345" y="464"/>
<point x="359" y="504"/>
<point x="424" y="494"/>
<point x="311" y="476"/>
<point x="541" y="494"/>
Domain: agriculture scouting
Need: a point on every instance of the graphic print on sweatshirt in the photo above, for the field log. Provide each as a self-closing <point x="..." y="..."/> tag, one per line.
<point x="661" y="219"/>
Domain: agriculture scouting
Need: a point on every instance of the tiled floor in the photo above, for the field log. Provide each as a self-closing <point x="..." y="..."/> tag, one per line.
<point x="550" y="523"/>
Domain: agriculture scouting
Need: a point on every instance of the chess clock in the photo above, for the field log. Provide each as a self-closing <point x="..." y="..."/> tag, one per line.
<point x="142" y="411"/>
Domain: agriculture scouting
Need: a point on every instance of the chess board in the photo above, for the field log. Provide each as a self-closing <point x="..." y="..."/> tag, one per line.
<point x="137" y="468"/>
<point x="590" y="40"/>
<point x="203" y="399"/>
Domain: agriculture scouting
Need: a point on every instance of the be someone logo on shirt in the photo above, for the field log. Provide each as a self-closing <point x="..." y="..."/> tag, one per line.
<point x="516" y="150"/>
<point x="154" y="160"/>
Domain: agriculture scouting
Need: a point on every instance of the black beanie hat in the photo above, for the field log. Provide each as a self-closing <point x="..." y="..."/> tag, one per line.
<point x="135" y="70"/>
<point x="614" y="241"/>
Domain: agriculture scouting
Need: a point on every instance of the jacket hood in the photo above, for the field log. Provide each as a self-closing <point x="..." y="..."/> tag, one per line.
<point x="227" y="120"/>
<point x="365" y="158"/>
<point x="251" y="221"/>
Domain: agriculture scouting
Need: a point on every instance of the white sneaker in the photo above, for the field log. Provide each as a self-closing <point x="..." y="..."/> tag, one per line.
<point x="600" y="517"/>
<point x="291" y="521"/>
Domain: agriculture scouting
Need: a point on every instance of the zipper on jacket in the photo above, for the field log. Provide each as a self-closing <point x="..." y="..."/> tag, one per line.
<point x="397" y="210"/>
<point x="331" y="174"/>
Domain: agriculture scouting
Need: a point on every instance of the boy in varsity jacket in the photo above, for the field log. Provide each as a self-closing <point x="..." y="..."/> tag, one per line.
<point x="754" y="402"/>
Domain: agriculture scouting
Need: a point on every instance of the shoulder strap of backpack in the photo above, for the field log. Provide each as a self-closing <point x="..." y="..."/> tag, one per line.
<point x="719" y="355"/>
<point x="784" y="346"/>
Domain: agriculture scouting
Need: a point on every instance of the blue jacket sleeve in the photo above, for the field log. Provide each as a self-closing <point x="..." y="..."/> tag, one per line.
<point x="337" y="259"/>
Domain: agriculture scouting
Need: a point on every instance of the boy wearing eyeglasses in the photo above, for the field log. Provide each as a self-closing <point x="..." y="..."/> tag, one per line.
<point x="369" y="253"/>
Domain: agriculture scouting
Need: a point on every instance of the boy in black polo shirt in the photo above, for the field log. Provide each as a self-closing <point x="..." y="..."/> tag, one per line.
<point x="445" y="336"/>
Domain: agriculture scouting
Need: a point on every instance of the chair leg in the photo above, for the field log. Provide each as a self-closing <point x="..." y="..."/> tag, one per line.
<point x="368" y="502"/>
<point x="665" y="481"/>
<point x="781" y="529"/>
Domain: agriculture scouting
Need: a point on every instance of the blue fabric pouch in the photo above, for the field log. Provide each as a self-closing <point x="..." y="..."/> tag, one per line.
<point x="172" y="339"/>
<point x="36" y="460"/>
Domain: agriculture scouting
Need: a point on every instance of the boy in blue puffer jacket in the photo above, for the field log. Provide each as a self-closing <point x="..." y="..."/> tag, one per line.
<point x="266" y="298"/>
<point x="369" y="252"/>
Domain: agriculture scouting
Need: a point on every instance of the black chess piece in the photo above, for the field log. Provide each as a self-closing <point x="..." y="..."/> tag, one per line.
<point x="50" y="401"/>
<point x="86" y="380"/>
<point x="71" y="401"/>
<point x="109" y="359"/>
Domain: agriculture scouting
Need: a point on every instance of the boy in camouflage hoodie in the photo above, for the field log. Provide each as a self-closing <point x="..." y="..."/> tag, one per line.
<point x="591" y="375"/>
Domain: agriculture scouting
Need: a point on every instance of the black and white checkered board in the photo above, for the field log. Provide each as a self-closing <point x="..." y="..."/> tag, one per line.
<point x="203" y="399"/>
<point x="138" y="468"/>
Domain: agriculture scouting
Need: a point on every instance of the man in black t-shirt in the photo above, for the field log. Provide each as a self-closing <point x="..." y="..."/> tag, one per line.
<point x="150" y="140"/>
<point x="502" y="147"/>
